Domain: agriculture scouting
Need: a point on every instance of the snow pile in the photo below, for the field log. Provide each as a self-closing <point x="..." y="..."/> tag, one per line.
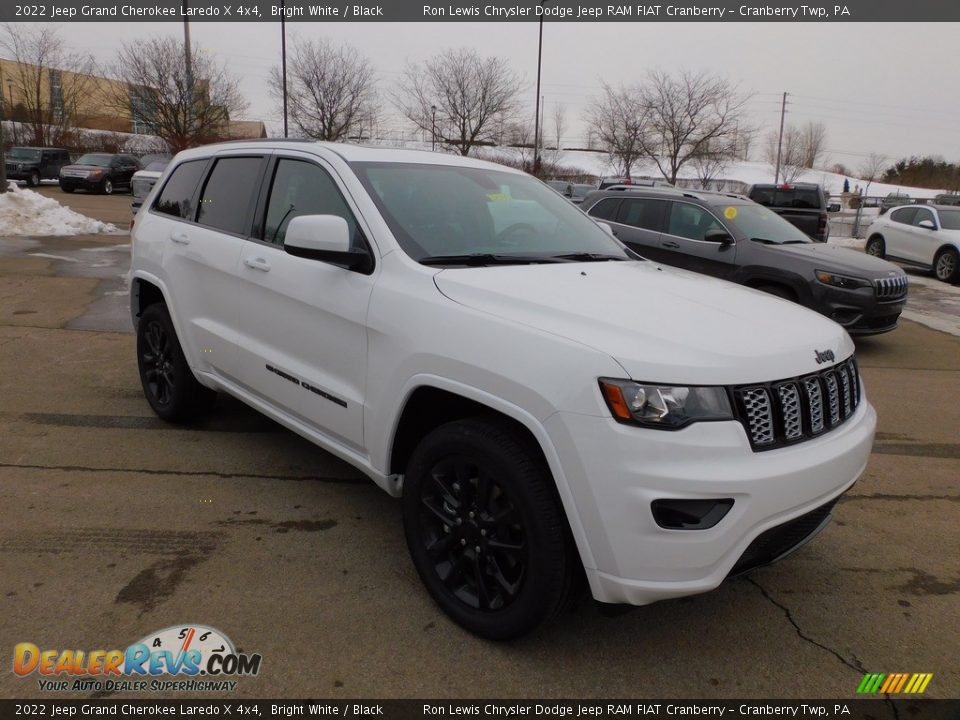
<point x="24" y="212"/>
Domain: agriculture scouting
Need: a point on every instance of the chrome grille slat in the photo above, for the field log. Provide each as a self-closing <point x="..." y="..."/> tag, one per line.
<point x="890" y="288"/>
<point x="797" y="409"/>
<point x="815" y="398"/>
<point x="790" y="411"/>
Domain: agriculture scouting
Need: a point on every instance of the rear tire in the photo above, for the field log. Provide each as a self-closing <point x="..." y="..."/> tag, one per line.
<point x="485" y="529"/>
<point x="168" y="382"/>
<point x="946" y="266"/>
<point x="876" y="247"/>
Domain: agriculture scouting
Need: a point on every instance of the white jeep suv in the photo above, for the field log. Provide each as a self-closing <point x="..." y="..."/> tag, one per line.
<point x="548" y="405"/>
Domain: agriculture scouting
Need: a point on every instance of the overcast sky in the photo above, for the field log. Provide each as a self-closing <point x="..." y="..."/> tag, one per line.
<point x="878" y="87"/>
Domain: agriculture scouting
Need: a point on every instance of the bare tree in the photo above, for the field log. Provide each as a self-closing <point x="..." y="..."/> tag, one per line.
<point x="872" y="168"/>
<point x="183" y="107"/>
<point x="332" y="89"/>
<point x="472" y="95"/>
<point x="687" y="113"/>
<point x="711" y="162"/>
<point x="51" y="84"/>
<point x="790" y="153"/>
<point x="618" y="121"/>
<point x="745" y="137"/>
<point x="559" y="123"/>
<point x="813" y="141"/>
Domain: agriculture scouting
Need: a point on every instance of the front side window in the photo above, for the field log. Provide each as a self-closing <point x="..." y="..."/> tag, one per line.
<point x="176" y="199"/>
<point x="691" y="222"/>
<point x="437" y="211"/>
<point x="923" y="214"/>
<point x="228" y="194"/>
<point x="302" y="188"/>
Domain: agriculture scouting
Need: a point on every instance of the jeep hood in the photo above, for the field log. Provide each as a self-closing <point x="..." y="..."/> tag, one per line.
<point x="661" y="324"/>
<point x="841" y="260"/>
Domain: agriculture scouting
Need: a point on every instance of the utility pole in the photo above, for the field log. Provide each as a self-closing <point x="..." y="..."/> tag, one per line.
<point x="188" y="66"/>
<point x="783" y="114"/>
<point x="3" y="141"/>
<point x="536" y="111"/>
<point x="283" y="54"/>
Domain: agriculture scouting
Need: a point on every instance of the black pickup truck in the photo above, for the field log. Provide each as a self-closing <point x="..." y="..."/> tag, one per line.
<point x="803" y="204"/>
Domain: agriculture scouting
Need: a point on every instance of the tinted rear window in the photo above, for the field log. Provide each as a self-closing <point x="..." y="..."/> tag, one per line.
<point x="605" y="209"/>
<point x="177" y="196"/>
<point x="799" y="198"/>
<point x="228" y="194"/>
<point x="642" y="213"/>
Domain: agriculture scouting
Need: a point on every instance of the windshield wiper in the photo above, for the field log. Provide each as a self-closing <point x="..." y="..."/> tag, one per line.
<point x="589" y="257"/>
<point x="481" y="259"/>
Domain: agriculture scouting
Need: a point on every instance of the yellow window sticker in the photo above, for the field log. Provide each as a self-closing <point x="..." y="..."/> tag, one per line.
<point x="730" y="213"/>
<point x="498" y="197"/>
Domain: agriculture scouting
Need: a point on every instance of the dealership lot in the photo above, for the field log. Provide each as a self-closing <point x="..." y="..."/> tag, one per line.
<point x="118" y="525"/>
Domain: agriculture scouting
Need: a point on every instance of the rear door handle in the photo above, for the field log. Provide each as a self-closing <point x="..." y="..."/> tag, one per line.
<point x="670" y="244"/>
<point x="180" y="237"/>
<point x="257" y="263"/>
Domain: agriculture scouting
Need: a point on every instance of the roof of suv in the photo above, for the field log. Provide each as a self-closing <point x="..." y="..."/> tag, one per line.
<point x="708" y="197"/>
<point x="350" y="152"/>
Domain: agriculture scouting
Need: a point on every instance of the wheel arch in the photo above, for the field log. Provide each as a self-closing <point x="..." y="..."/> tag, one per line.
<point x="432" y="402"/>
<point x="758" y="277"/>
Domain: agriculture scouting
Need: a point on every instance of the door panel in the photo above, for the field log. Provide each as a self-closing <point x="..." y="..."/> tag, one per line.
<point x="638" y="224"/>
<point x="683" y="241"/>
<point x="303" y="340"/>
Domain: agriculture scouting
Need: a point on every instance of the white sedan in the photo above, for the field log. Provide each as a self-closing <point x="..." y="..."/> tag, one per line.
<point x="927" y="236"/>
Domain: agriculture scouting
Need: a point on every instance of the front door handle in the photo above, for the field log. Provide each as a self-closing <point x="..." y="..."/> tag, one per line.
<point x="257" y="263"/>
<point x="670" y="244"/>
<point x="180" y="237"/>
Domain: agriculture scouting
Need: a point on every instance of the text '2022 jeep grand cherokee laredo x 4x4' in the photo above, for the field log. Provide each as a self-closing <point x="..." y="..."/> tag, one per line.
<point x="546" y="404"/>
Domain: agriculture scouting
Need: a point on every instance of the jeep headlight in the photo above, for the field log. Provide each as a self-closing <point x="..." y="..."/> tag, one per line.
<point x="841" y="281"/>
<point x="664" y="406"/>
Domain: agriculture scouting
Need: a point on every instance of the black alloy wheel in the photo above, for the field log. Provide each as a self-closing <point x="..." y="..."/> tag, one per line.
<point x="486" y="530"/>
<point x="168" y="382"/>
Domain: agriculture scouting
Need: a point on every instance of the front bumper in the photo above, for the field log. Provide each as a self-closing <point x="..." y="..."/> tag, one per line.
<point x="616" y="471"/>
<point x="78" y="183"/>
<point x="858" y="311"/>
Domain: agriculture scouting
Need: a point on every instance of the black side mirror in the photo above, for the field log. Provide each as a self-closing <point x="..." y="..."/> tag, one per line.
<point x="718" y="235"/>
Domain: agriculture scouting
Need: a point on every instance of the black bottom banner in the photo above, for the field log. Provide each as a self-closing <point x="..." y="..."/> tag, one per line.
<point x="874" y="709"/>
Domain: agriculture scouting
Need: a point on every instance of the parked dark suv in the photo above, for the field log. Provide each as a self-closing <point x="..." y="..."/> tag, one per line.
<point x="33" y="164"/>
<point x="730" y="237"/>
<point x="803" y="204"/>
<point x="99" y="172"/>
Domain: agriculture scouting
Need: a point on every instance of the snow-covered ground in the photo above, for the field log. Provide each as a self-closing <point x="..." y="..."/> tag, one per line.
<point x="24" y="212"/>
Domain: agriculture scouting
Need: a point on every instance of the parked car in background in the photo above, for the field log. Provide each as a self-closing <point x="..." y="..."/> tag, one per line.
<point x="548" y="407"/>
<point x="33" y="164"/>
<point x="947" y="199"/>
<point x="99" y="172"/>
<point x="574" y="192"/>
<point x="802" y="204"/>
<point x="730" y="237"/>
<point x="607" y="182"/>
<point x="926" y="236"/>
<point x="144" y="180"/>
<point x="894" y="200"/>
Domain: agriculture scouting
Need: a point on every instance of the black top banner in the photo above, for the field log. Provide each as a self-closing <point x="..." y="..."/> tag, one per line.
<point x="481" y="11"/>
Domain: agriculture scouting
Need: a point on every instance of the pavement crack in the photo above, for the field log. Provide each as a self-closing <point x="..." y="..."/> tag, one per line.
<point x="187" y="473"/>
<point x="856" y="666"/>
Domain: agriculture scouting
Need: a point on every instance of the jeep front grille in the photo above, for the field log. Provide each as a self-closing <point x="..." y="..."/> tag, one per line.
<point x="789" y="411"/>
<point x="890" y="288"/>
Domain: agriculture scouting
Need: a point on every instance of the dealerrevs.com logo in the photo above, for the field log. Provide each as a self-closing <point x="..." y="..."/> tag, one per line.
<point x="190" y="658"/>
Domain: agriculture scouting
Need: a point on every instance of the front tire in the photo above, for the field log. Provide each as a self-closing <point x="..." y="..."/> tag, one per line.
<point x="876" y="247"/>
<point x="778" y="291"/>
<point x="485" y="529"/>
<point x="946" y="266"/>
<point x="66" y="188"/>
<point x="34" y="179"/>
<point x="168" y="382"/>
<point x="106" y="187"/>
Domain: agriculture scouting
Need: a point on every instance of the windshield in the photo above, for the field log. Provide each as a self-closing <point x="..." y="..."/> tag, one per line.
<point x="756" y="222"/>
<point x="95" y="159"/>
<point x="24" y="154"/>
<point x="950" y="219"/>
<point x="437" y="211"/>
